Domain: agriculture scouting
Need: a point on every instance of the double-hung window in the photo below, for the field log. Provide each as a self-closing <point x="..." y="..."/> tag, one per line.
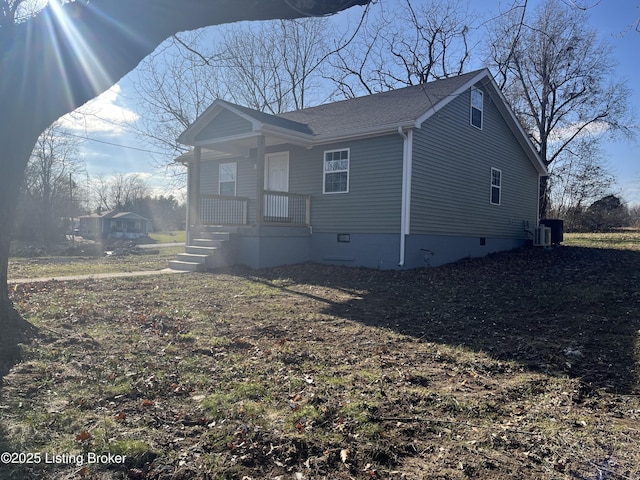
<point x="336" y="171"/>
<point x="477" y="107"/>
<point x="496" y="186"/>
<point x="227" y="179"/>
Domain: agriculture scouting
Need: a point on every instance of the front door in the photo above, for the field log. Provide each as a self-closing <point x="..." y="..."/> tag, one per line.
<point x="276" y="179"/>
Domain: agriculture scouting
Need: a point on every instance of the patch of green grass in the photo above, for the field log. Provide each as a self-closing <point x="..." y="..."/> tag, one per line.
<point x="128" y="447"/>
<point x="120" y="387"/>
<point x="239" y="398"/>
<point x="63" y="266"/>
<point x="187" y="337"/>
<point x="625" y="240"/>
<point x="178" y="236"/>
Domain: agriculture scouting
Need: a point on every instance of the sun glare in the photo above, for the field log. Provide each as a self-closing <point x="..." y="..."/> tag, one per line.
<point x="65" y="33"/>
<point x="59" y="23"/>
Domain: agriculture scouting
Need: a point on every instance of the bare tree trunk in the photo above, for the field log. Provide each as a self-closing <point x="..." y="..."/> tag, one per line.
<point x="12" y="327"/>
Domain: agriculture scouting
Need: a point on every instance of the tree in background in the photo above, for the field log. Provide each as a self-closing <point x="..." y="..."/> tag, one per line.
<point x="409" y="44"/>
<point x="634" y="216"/>
<point x="606" y="214"/>
<point x="117" y="192"/>
<point x="558" y="78"/>
<point x="47" y="201"/>
<point x="577" y="178"/>
<point x="165" y="213"/>
<point x="175" y="85"/>
<point x="273" y="67"/>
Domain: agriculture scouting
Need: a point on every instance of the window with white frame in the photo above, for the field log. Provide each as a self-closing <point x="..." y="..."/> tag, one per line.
<point x="496" y="186"/>
<point x="336" y="171"/>
<point x="477" y="107"/>
<point x="227" y="179"/>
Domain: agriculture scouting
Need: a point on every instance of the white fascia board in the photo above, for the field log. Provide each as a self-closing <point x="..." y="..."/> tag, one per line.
<point x="521" y="135"/>
<point x="391" y="129"/>
<point x="503" y="107"/>
<point x="188" y="136"/>
<point x="188" y="157"/>
<point x="222" y="140"/>
<point x="452" y="96"/>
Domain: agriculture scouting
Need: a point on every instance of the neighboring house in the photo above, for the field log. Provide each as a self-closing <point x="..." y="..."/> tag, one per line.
<point x="418" y="176"/>
<point x="114" y="224"/>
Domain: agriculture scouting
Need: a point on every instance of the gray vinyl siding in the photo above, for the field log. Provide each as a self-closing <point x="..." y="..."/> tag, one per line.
<point x="245" y="180"/>
<point x="373" y="202"/>
<point x="451" y="185"/>
<point x="225" y="124"/>
<point x="245" y="177"/>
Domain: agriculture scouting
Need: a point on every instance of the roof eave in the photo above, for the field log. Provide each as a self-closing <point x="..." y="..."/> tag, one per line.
<point x="519" y="132"/>
<point x="188" y="136"/>
<point x="503" y="106"/>
<point x="365" y="132"/>
<point x="451" y="96"/>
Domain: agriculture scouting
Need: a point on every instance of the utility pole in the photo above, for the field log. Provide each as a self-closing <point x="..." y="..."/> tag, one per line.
<point x="73" y="229"/>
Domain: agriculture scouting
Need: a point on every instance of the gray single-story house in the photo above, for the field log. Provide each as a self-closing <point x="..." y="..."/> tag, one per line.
<point x="114" y="224"/>
<point x="414" y="177"/>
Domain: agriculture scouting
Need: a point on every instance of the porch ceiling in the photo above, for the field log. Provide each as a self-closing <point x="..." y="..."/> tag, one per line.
<point x="241" y="145"/>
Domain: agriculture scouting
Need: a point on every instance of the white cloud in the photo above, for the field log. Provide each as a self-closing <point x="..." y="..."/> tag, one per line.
<point x="101" y="115"/>
<point x="630" y="192"/>
<point x="563" y="134"/>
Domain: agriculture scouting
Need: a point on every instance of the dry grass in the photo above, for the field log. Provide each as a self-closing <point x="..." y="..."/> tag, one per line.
<point x="518" y="365"/>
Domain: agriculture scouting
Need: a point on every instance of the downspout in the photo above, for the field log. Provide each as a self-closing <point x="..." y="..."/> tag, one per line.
<point x="405" y="214"/>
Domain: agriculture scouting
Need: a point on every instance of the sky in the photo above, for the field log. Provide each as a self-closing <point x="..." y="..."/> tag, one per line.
<point x="111" y="148"/>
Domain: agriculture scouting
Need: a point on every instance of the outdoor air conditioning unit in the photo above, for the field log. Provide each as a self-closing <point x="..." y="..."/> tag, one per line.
<point x="542" y="236"/>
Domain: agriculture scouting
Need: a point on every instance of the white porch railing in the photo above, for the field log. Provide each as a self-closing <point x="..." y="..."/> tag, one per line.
<point x="222" y="210"/>
<point x="280" y="208"/>
<point x="284" y="208"/>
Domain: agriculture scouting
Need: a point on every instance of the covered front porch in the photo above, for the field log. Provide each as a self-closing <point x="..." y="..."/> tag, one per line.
<point x="278" y="209"/>
<point x="261" y="229"/>
<point x="250" y="181"/>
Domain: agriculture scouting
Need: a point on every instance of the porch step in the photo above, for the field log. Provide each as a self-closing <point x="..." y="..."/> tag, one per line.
<point x="183" y="266"/>
<point x="216" y="236"/>
<point x="208" y="242"/>
<point x="208" y="251"/>
<point x="192" y="258"/>
<point x="201" y="250"/>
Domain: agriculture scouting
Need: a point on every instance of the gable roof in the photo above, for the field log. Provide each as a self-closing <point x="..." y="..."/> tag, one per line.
<point x="369" y="115"/>
<point x="386" y="110"/>
<point x="116" y="214"/>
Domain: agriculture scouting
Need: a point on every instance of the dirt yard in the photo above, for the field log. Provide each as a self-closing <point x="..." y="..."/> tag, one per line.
<point x="522" y="365"/>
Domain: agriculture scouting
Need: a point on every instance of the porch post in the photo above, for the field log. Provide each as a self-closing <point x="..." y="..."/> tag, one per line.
<point x="260" y="182"/>
<point x="193" y="215"/>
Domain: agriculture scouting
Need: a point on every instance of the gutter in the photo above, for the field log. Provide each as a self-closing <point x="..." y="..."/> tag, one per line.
<point x="405" y="215"/>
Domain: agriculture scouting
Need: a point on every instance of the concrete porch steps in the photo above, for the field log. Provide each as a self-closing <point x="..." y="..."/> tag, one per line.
<point x="183" y="266"/>
<point x="210" y="250"/>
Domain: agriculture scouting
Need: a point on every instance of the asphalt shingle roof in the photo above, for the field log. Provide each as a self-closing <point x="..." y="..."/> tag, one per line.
<point x="387" y="108"/>
<point x="278" y="121"/>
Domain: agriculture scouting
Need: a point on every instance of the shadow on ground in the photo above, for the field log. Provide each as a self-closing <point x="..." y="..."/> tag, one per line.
<point x="567" y="311"/>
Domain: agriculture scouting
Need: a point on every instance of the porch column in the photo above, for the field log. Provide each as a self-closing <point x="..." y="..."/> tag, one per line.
<point x="193" y="217"/>
<point x="260" y="182"/>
